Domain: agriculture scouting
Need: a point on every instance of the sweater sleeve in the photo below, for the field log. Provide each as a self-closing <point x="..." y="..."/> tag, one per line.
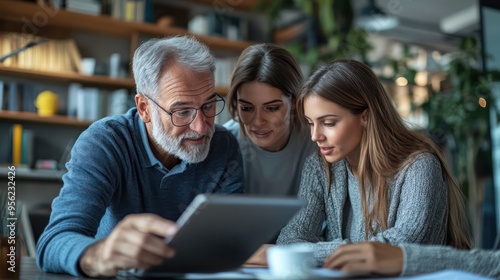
<point x="307" y="225"/>
<point x="77" y="211"/>
<point x="420" y="259"/>
<point x="421" y="209"/>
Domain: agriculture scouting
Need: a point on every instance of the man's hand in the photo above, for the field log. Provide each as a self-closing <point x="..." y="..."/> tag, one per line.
<point x="136" y="242"/>
<point x="259" y="258"/>
<point x="366" y="258"/>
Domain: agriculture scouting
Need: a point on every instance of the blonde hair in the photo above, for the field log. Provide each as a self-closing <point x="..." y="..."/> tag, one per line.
<point x="353" y="86"/>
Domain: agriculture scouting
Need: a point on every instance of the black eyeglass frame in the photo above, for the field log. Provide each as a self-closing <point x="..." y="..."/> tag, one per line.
<point x="191" y="108"/>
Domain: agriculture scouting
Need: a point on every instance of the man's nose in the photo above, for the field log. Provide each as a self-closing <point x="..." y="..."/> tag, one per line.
<point x="199" y="124"/>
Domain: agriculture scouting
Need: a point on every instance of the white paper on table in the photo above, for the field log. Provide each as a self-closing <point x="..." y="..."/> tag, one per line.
<point x="448" y="274"/>
<point x="317" y="273"/>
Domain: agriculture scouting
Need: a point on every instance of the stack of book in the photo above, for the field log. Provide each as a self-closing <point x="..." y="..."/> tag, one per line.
<point x="51" y="55"/>
<point x="91" y="104"/>
<point x="223" y="69"/>
<point x="17" y="97"/>
<point x="132" y="10"/>
<point x="219" y="24"/>
<point x="92" y="7"/>
<point x="19" y="147"/>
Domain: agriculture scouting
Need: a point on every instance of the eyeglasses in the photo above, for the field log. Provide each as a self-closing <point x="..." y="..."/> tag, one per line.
<point x="186" y="116"/>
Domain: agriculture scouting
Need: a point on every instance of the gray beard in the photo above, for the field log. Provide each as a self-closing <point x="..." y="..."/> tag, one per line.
<point x="173" y="145"/>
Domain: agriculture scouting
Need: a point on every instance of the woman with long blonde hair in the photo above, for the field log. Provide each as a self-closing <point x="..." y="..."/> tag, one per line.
<point x="373" y="179"/>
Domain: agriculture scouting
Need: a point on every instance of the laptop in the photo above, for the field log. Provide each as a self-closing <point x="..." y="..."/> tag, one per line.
<point x="220" y="232"/>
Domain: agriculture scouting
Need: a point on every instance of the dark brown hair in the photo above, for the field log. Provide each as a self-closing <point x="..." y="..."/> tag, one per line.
<point x="270" y="64"/>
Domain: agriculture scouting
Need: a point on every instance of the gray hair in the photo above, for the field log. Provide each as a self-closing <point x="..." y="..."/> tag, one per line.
<point x="155" y="56"/>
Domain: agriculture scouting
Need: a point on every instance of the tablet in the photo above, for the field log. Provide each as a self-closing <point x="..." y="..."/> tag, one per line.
<point x="220" y="232"/>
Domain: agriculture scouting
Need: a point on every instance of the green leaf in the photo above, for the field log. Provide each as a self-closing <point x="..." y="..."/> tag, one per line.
<point x="327" y="17"/>
<point x="307" y="7"/>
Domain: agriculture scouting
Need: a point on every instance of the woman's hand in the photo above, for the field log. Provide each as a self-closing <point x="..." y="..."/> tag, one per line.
<point x="367" y="258"/>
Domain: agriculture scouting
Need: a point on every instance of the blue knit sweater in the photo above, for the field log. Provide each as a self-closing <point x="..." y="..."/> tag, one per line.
<point x="113" y="173"/>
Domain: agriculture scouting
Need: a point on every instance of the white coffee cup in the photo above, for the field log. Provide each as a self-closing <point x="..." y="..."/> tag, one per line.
<point x="291" y="261"/>
<point x="88" y="66"/>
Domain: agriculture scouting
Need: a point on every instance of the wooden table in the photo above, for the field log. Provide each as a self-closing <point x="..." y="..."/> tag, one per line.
<point x="29" y="270"/>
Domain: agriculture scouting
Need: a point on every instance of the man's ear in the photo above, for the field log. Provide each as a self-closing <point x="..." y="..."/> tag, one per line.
<point x="364" y="117"/>
<point x="143" y="108"/>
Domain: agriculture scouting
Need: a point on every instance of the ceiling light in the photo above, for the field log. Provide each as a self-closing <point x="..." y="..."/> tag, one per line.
<point x="401" y="81"/>
<point x="421" y="78"/>
<point x="482" y="102"/>
<point x="462" y="20"/>
<point x="372" y="18"/>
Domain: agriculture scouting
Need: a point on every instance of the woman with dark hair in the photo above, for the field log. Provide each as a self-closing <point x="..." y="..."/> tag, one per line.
<point x="373" y="178"/>
<point x="262" y="100"/>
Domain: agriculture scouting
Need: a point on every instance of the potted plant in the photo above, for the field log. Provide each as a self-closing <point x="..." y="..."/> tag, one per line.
<point x="329" y="33"/>
<point x="462" y="111"/>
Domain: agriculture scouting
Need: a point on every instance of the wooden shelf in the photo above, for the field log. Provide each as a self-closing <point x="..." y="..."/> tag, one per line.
<point x="17" y="11"/>
<point x="32" y="118"/>
<point x="247" y="5"/>
<point x="222" y="90"/>
<point x="23" y="173"/>
<point x="68" y="77"/>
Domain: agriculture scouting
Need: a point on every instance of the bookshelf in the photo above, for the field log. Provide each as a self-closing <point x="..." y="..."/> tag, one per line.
<point x="247" y="5"/>
<point x="32" y="118"/>
<point x="15" y="11"/>
<point x="67" y="77"/>
<point x="54" y="136"/>
<point x="36" y="175"/>
<point x="72" y="77"/>
<point x="15" y="15"/>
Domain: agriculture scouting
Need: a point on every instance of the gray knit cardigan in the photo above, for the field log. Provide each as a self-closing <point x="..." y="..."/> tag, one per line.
<point x="417" y="207"/>
<point x="425" y="259"/>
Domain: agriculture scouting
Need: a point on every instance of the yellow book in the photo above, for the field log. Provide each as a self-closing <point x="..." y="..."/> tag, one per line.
<point x="17" y="137"/>
<point x="130" y="7"/>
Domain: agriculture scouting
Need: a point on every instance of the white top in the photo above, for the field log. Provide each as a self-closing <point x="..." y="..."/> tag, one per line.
<point x="273" y="173"/>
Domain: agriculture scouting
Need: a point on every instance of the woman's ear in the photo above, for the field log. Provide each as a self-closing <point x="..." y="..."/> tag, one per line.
<point x="364" y="117"/>
<point x="143" y="108"/>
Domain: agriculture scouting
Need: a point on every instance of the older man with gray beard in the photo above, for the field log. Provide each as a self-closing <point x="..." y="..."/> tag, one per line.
<point x="130" y="176"/>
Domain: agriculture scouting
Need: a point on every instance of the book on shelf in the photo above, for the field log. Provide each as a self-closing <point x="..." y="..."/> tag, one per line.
<point x="225" y="25"/>
<point x="51" y="55"/>
<point x="17" y="135"/>
<point x="72" y="108"/>
<point x="17" y="146"/>
<point x="88" y="102"/>
<point x="5" y="144"/>
<point x="132" y="10"/>
<point x="91" y="7"/>
<point x="91" y="104"/>
<point x="2" y="99"/>
<point x="117" y="102"/>
<point x="15" y="96"/>
<point x="223" y="69"/>
<point x="27" y="148"/>
<point x="29" y="95"/>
